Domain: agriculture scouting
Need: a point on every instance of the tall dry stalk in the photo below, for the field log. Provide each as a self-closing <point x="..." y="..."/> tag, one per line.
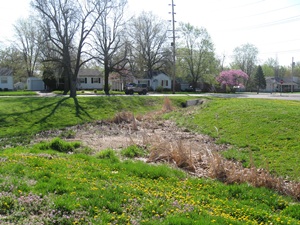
<point x="167" y="107"/>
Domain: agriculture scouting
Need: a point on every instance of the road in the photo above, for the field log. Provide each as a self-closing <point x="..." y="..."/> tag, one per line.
<point x="281" y="96"/>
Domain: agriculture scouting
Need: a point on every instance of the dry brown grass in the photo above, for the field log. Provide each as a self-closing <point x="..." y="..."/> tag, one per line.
<point x="174" y="153"/>
<point x="181" y="155"/>
<point x="121" y="117"/>
<point x="167" y="106"/>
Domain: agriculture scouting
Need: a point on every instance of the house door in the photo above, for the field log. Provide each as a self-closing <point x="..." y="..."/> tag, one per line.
<point x="154" y="84"/>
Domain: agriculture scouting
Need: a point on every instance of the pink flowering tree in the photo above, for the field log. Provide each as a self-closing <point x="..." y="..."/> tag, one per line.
<point x="232" y="78"/>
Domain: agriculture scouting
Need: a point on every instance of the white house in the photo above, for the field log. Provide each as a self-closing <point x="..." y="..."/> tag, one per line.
<point x="158" y="79"/>
<point x="90" y="79"/>
<point x="6" y="79"/>
<point x="35" y="84"/>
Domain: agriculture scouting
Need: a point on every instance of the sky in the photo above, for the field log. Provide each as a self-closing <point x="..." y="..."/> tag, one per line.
<point x="273" y="26"/>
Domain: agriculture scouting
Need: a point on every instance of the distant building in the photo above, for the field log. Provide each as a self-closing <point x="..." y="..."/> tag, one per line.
<point x="35" y="84"/>
<point x="90" y="79"/>
<point x="281" y="84"/>
<point x="6" y="79"/>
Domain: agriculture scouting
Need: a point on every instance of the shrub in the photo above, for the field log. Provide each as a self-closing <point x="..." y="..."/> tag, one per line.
<point x="159" y="89"/>
<point x="60" y="145"/>
<point x="108" y="154"/>
<point x="63" y="146"/>
<point x="133" y="151"/>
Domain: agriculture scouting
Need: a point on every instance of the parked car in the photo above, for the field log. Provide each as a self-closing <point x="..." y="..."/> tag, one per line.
<point x="132" y="88"/>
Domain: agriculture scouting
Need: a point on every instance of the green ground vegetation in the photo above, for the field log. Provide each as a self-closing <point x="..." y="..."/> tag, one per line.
<point x="263" y="132"/>
<point x="58" y="182"/>
<point x="20" y="118"/>
<point x="17" y="93"/>
<point x="44" y="185"/>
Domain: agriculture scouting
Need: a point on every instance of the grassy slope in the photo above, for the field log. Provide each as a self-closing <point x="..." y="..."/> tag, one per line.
<point x="21" y="117"/>
<point x="267" y="130"/>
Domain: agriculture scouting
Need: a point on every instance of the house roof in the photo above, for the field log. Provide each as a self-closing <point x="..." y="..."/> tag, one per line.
<point x="151" y="74"/>
<point x="89" y="73"/>
<point x="283" y="81"/>
<point x="6" y="72"/>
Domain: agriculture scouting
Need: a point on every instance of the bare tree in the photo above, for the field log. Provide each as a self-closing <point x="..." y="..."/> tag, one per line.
<point x="11" y="58"/>
<point x="110" y="44"/>
<point x="67" y="24"/>
<point x="28" y="42"/>
<point x="148" y="38"/>
<point x="196" y="56"/>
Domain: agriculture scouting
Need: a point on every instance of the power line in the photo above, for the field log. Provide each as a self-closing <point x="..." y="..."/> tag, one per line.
<point x="273" y="23"/>
<point x="259" y="14"/>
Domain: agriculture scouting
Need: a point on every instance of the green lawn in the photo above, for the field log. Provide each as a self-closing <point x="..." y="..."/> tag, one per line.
<point x="17" y="93"/>
<point x="267" y="130"/>
<point x="22" y="117"/>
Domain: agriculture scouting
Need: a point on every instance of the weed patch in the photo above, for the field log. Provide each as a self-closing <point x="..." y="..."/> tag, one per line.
<point x="133" y="151"/>
<point x="59" y="145"/>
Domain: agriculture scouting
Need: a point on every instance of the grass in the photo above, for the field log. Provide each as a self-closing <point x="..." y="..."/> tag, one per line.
<point x="17" y="93"/>
<point x="262" y="131"/>
<point x="20" y="118"/>
<point x="45" y="186"/>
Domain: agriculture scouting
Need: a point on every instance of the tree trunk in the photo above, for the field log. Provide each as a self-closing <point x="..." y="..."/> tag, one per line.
<point x="106" y="75"/>
<point x="73" y="82"/>
<point x="66" y="82"/>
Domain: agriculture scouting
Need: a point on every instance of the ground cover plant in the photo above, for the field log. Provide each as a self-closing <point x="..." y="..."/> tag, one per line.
<point x="40" y="185"/>
<point x="264" y="133"/>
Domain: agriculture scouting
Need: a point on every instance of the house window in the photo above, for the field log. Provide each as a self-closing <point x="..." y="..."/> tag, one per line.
<point x="96" y="80"/>
<point x="83" y="80"/>
<point x="164" y="83"/>
<point x="3" y="80"/>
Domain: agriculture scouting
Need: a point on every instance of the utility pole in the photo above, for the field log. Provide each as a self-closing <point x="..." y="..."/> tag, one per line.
<point x="173" y="46"/>
<point x="293" y="64"/>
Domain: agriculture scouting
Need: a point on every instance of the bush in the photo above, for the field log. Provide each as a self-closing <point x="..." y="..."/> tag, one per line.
<point x="159" y="89"/>
<point x="63" y="146"/>
<point x="0" y="89"/>
<point x="108" y="154"/>
<point x="133" y="151"/>
<point x="60" y="145"/>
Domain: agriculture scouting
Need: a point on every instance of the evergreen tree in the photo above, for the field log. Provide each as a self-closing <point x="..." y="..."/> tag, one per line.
<point x="259" y="79"/>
